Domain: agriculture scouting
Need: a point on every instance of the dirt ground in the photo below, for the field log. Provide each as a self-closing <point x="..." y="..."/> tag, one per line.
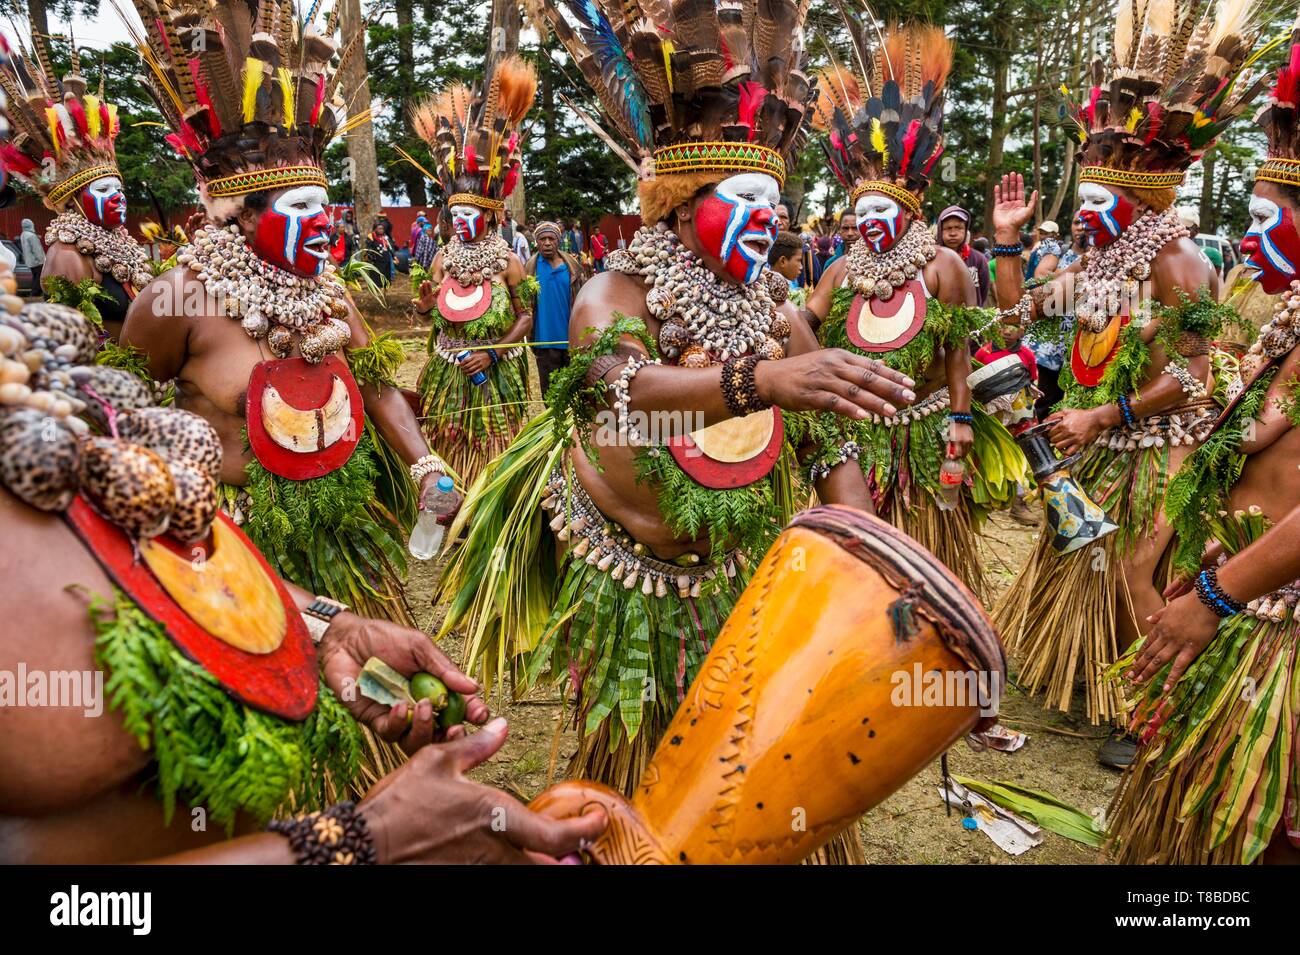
<point x="909" y="827"/>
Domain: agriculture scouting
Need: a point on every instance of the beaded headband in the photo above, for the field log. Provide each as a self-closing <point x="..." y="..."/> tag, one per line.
<point x="84" y="178"/>
<point x="472" y="199"/>
<point x="1131" y="178"/>
<point x="719" y="157"/>
<point x="259" y="180"/>
<point x="905" y="196"/>
<point x="1277" y="169"/>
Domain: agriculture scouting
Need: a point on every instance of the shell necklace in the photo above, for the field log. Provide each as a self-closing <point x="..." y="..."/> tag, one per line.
<point x="473" y="263"/>
<point x="879" y="273"/>
<point x="112" y="251"/>
<point x="1278" y="335"/>
<point x="270" y="302"/>
<point x="703" y="320"/>
<point x="1113" y="273"/>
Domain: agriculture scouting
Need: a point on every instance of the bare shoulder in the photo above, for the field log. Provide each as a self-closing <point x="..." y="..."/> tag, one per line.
<point x="64" y="261"/>
<point x="604" y="297"/>
<point x="949" y="279"/>
<point x="1180" y="265"/>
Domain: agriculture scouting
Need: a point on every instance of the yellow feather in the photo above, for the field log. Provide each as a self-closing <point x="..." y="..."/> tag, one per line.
<point x="112" y="118"/>
<point x="1134" y="118"/>
<point x="252" y="83"/>
<point x="92" y="115"/>
<point x="287" y="94"/>
<point x="668" y="48"/>
<point x="878" y="139"/>
<point x="52" y="119"/>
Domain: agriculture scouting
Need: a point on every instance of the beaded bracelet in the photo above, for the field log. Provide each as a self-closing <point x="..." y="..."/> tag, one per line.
<point x="337" y="836"/>
<point x="1008" y="251"/>
<point x="739" y="389"/>
<point x="961" y="417"/>
<point x="1191" y="387"/>
<point x="848" y="451"/>
<point x="1022" y="311"/>
<point x="621" y="387"/>
<point x="1126" y="411"/>
<point x="1211" y="594"/>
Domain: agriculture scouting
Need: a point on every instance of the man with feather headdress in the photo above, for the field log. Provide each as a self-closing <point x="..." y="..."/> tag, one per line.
<point x="1137" y="388"/>
<point x="64" y="151"/>
<point x="474" y="387"/>
<point x="324" y="457"/>
<point x="898" y="295"/>
<point x="664" y="462"/>
<point x="1216" y="777"/>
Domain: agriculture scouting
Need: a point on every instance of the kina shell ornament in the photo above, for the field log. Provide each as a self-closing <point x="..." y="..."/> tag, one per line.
<point x="128" y="484"/>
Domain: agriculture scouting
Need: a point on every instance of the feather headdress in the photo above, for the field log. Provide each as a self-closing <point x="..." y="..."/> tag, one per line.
<point x="696" y="89"/>
<point x="473" y="134"/>
<point x="883" y="117"/>
<point x="247" y="89"/>
<point x="1177" y="77"/>
<point x="1279" y="117"/>
<point x="63" y="136"/>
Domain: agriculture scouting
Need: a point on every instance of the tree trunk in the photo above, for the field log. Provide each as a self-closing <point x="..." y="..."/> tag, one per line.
<point x="361" y="142"/>
<point x="1038" y="121"/>
<point x="1000" y="67"/>
<point x="1206" y="211"/>
<point x="504" y="40"/>
<point x="39" y="17"/>
<point x="412" y="178"/>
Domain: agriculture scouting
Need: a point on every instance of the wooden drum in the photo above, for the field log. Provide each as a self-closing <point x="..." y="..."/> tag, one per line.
<point x="853" y="660"/>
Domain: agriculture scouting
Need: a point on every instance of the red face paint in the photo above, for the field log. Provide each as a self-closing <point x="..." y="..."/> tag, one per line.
<point x="469" y="223"/>
<point x="103" y="203"/>
<point x="1272" y="245"/>
<point x="737" y="224"/>
<point x="294" y="233"/>
<point x="1104" y="214"/>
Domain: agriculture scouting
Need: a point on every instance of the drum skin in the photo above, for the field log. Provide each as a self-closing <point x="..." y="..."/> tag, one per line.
<point x="791" y="729"/>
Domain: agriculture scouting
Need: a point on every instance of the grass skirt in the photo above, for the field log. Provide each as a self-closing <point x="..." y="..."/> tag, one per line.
<point x="1060" y="615"/>
<point x="470" y="424"/>
<point x="342" y="535"/>
<point x="1218" y="770"/>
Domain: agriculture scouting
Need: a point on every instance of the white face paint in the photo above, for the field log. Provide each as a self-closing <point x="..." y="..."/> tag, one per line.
<point x="878" y="220"/>
<point x="1095" y="197"/>
<point x="737" y="224"/>
<point x="1265" y="217"/>
<point x="467" y="222"/>
<point x="298" y="206"/>
<point x="100" y="195"/>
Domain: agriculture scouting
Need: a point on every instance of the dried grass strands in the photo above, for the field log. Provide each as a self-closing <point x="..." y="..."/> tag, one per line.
<point x="949" y="535"/>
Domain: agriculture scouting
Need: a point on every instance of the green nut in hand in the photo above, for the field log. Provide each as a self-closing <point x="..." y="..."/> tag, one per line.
<point x="454" y="714"/>
<point x="426" y="686"/>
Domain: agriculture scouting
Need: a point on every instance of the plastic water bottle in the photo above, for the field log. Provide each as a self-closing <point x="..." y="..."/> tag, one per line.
<point x="426" y="536"/>
<point x="479" y="377"/>
<point x="952" y="475"/>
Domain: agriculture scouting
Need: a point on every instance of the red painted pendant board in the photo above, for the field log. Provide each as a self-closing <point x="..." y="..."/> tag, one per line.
<point x="283" y="683"/>
<point x="1094" y="351"/>
<point x="879" y="326"/>
<point x="304" y="420"/>
<point x="733" y="453"/>
<point x="463" y="303"/>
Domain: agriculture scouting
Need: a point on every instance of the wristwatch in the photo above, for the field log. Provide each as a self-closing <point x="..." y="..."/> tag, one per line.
<point x="319" y="614"/>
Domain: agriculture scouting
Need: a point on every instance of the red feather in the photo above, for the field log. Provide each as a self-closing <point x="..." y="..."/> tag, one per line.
<point x="1091" y="109"/>
<point x="909" y="144"/>
<point x="1155" y="120"/>
<point x="511" y="180"/>
<point x="752" y="96"/>
<point x="471" y="159"/>
<point x="17" y="161"/>
<point x="205" y="98"/>
<point x="78" y="113"/>
<point x="107" y="122"/>
<point x="932" y="160"/>
<point x="320" y="99"/>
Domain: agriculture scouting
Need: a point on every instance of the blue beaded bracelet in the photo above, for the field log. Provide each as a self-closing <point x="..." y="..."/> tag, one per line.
<point x="1208" y="592"/>
<point x="961" y="417"/>
<point x="1126" y="411"/>
<point x="1008" y="251"/>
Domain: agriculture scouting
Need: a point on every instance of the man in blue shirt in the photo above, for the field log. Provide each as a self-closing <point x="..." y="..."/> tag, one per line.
<point x="559" y="276"/>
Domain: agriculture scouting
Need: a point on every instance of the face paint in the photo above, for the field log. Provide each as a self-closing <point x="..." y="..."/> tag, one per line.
<point x="104" y="203"/>
<point x="1271" y="246"/>
<point x="737" y="224"/>
<point x="1105" y="214"/>
<point x="294" y="234"/>
<point x="469" y="222"/>
<point x="879" y="221"/>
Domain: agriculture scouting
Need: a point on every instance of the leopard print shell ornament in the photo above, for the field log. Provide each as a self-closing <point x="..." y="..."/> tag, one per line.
<point x="128" y="484"/>
<point x="40" y="459"/>
<point x="176" y="435"/>
<point x="195" y="507"/>
<point x="56" y="327"/>
<point x="120" y="389"/>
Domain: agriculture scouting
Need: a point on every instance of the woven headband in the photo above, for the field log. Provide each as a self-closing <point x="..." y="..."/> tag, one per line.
<point x="69" y="186"/>
<point x="259" y="180"/>
<point x="905" y="196"/>
<point x="1131" y="178"/>
<point x="472" y="199"/>
<point x="719" y="157"/>
<point x="1284" y="171"/>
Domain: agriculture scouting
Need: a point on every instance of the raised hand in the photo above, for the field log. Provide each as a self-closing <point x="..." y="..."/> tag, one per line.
<point x="426" y="299"/>
<point x="833" y="380"/>
<point x="1010" y="210"/>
